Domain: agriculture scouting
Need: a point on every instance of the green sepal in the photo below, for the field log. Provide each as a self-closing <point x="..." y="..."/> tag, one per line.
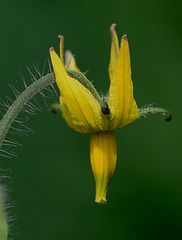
<point x="85" y="82"/>
<point x="146" y="110"/>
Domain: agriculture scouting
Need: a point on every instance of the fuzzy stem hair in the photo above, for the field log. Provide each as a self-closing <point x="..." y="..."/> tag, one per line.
<point x="147" y="110"/>
<point x="18" y="105"/>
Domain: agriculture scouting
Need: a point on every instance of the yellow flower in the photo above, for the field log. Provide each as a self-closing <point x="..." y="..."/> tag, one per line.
<point x="86" y="111"/>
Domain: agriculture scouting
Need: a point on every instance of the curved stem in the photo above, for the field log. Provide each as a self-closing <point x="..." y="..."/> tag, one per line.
<point x="21" y="101"/>
<point x="144" y="111"/>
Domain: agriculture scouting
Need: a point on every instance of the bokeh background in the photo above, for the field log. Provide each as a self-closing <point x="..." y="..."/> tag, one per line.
<point x="51" y="186"/>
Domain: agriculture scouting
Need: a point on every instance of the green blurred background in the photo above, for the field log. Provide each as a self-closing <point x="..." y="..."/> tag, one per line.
<point x="51" y="183"/>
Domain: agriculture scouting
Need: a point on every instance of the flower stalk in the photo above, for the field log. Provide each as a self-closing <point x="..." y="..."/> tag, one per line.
<point x="3" y="218"/>
<point x="21" y="101"/>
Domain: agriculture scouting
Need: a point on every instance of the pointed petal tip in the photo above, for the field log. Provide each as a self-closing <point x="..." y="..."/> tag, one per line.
<point x="112" y="27"/>
<point x="51" y="49"/>
<point x="101" y="201"/>
<point x="61" y="37"/>
<point x="125" y="37"/>
<point x="68" y="51"/>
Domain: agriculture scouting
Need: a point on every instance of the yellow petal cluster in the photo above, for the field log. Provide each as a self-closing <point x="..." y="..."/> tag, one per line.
<point x="84" y="112"/>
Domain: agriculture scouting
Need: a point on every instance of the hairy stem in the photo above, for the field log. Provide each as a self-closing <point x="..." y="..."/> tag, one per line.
<point x="144" y="111"/>
<point x="3" y="218"/>
<point x="21" y="101"/>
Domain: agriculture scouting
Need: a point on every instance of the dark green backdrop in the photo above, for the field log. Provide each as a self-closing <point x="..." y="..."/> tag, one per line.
<point x="52" y="187"/>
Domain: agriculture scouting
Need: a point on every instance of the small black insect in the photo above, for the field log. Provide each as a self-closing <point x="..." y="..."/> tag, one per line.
<point x="104" y="106"/>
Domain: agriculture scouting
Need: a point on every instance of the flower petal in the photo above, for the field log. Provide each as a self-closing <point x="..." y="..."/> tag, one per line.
<point x="103" y="154"/>
<point x="114" y="50"/>
<point x="121" y="101"/>
<point x="80" y="108"/>
<point x="70" y="61"/>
